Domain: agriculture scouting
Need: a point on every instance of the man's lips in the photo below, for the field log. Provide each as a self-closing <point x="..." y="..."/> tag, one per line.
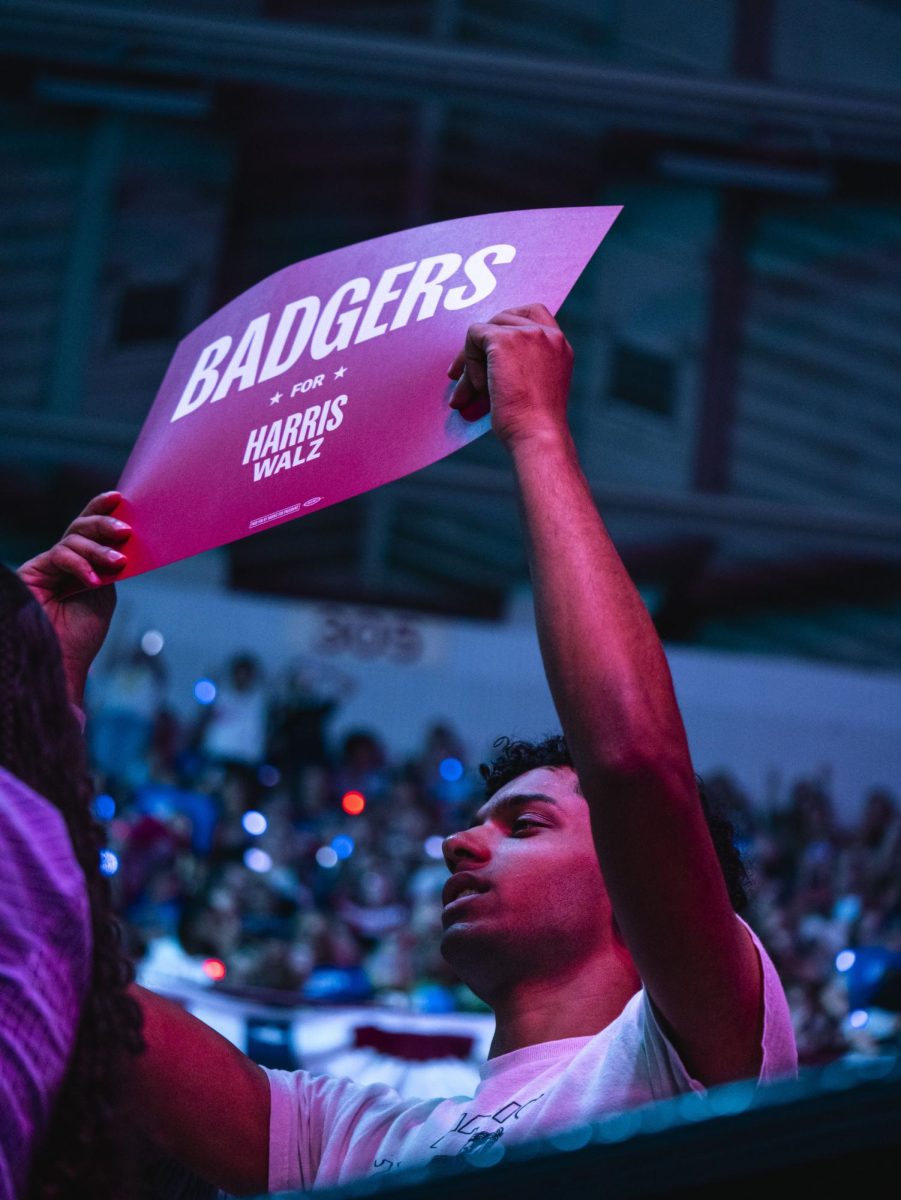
<point x="459" y="885"/>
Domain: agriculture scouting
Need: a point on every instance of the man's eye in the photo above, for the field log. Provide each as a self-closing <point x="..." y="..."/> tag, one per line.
<point x="522" y="824"/>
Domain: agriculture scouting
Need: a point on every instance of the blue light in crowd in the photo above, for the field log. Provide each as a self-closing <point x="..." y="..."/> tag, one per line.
<point x="434" y="846"/>
<point x="845" y="960"/>
<point x="204" y="691"/>
<point x="109" y="864"/>
<point x="104" y="807"/>
<point x="326" y="857"/>
<point x="451" y="769"/>
<point x="269" y="775"/>
<point x="152" y="642"/>
<point x="343" y="846"/>
<point x="254" y="822"/>
<point x="257" y="860"/>
<point x="858" y="1018"/>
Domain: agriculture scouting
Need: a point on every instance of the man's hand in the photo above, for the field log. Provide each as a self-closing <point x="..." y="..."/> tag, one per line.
<point x="519" y="364"/>
<point x="73" y="584"/>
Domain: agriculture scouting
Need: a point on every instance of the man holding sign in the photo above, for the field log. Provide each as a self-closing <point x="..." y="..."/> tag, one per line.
<point x="586" y="903"/>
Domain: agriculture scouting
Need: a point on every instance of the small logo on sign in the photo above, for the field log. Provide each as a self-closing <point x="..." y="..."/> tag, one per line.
<point x="313" y="500"/>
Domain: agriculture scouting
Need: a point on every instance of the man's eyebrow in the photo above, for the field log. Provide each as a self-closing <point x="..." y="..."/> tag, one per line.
<point x="515" y="800"/>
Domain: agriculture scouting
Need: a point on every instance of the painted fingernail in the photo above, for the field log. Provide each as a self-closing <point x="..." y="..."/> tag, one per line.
<point x="117" y="524"/>
<point x="115" y="556"/>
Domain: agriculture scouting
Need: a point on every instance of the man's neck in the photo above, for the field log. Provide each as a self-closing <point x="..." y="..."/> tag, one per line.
<point x="545" y="1010"/>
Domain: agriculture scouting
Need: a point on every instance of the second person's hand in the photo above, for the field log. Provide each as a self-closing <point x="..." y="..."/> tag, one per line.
<point x="73" y="583"/>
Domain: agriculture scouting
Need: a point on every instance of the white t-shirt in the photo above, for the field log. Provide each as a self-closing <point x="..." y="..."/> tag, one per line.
<point x="325" y="1131"/>
<point x="237" y="731"/>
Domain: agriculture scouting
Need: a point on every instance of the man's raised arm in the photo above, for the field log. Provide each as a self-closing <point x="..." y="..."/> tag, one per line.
<point x="613" y="692"/>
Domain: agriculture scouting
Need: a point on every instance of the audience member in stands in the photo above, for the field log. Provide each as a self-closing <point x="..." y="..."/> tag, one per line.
<point x="234" y="725"/>
<point x="587" y="902"/>
<point x="124" y="710"/>
<point x="305" y="702"/>
<point x="67" y="1024"/>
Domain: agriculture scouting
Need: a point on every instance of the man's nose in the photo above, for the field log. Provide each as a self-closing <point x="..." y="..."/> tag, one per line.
<point x="465" y="847"/>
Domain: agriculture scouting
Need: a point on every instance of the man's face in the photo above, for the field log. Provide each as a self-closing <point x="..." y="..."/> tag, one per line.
<point x="526" y="897"/>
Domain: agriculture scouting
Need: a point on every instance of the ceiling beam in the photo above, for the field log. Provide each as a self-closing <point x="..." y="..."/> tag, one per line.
<point x="689" y="514"/>
<point x="104" y="445"/>
<point x="289" y="55"/>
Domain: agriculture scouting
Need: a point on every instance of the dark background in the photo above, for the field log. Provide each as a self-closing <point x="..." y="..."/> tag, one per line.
<point x="736" y="395"/>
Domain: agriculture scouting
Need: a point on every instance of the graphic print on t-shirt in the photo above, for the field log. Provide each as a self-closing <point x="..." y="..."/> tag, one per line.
<point x="474" y="1133"/>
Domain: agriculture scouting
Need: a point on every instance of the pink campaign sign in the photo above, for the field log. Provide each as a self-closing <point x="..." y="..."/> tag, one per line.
<point x="329" y="378"/>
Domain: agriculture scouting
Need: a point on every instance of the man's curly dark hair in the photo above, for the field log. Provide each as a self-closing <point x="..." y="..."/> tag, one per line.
<point x="515" y="757"/>
<point x="83" y="1152"/>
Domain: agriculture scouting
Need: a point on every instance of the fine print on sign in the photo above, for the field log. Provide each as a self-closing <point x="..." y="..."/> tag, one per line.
<point x="329" y="378"/>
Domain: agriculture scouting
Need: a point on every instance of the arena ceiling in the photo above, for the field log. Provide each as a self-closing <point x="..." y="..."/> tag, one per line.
<point x="736" y="397"/>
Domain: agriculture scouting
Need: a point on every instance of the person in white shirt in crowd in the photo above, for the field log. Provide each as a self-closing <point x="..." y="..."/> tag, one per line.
<point x="234" y="725"/>
<point x="586" y="902"/>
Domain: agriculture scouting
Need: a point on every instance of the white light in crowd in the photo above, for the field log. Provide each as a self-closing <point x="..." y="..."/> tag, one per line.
<point x="257" y="860"/>
<point x="204" y="691"/>
<point x="343" y="845"/>
<point x="269" y="775"/>
<point x="152" y="642"/>
<point x="434" y="846"/>
<point x="845" y="960"/>
<point x="858" y="1018"/>
<point x="104" y="807"/>
<point x="451" y="769"/>
<point x="326" y="857"/>
<point x="254" y="822"/>
<point x="109" y="864"/>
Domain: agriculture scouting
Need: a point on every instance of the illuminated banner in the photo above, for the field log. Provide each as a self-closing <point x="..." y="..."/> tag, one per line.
<point x="329" y="378"/>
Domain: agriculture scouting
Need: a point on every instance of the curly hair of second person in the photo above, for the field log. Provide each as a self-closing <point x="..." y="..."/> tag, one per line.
<point x="83" y="1151"/>
<point x="515" y="757"/>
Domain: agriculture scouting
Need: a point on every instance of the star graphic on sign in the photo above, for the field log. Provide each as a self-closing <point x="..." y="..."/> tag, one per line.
<point x="275" y="399"/>
<point x="340" y="372"/>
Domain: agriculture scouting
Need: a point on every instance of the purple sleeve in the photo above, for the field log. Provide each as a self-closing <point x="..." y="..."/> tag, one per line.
<point x="45" y="956"/>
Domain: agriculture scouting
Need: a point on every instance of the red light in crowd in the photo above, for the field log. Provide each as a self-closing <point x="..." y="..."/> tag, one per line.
<point x="214" y="968"/>
<point x="353" y="803"/>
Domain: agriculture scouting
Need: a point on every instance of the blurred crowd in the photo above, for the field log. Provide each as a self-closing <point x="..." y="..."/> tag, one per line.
<point x="251" y="850"/>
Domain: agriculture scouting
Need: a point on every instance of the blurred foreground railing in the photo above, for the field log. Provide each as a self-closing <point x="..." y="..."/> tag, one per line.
<point x="837" y="1127"/>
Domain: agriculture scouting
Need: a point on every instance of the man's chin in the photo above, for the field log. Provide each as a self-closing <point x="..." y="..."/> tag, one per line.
<point x="469" y="946"/>
<point x="462" y="937"/>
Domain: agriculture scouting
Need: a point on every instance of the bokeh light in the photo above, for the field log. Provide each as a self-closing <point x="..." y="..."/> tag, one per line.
<point x="109" y="863"/>
<point x="152" y="642"/>
<point x="268" y="775"/>
<point x="353" y="803"/>
<point x="859" y="1018"/>
<point x="257" y="860"/>
<point x="204" y="691"/>
<point x="845" y="960"/>
<point x="214" y="968"/>
<point x="450" y="769"/>
<point x="343" y="845"/>
<point x="326" y="857"/>
<point x="434" y="846"/>
<point x="104" y="807"/>
<point x="254" y="822"/>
